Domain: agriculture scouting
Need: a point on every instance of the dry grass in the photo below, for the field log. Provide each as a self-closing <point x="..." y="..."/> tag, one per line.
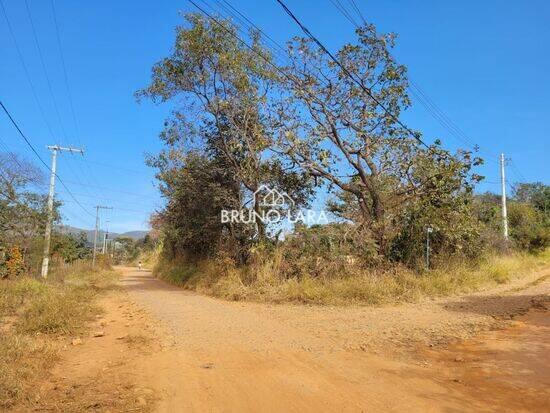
<point x="32" y="314"/>
<point x="263" y="282"/>
<point x="22" y="358"/>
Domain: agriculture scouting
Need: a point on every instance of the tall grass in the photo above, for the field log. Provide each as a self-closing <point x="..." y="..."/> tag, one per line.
<point x="264" y="281"/>
<point x="34" y="311"/>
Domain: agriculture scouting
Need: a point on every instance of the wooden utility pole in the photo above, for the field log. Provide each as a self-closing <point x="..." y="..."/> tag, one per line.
<point x="51" y="193"/>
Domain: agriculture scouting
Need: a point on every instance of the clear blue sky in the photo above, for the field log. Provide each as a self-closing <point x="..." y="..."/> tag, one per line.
<point x="484" y="63"/>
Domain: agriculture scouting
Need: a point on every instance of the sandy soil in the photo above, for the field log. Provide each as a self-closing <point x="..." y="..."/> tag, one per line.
<point x="169" y="350"/>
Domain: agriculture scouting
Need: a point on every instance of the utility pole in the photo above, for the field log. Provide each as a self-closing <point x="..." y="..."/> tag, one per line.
<point x="105" y="236"/>
<point x="51" y="193"/>
<point x="504" y="213"/>
<point x="97" y="208"/>
<point x="429" y="230"/>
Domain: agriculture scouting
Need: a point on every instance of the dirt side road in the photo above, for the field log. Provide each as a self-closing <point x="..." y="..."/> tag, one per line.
<point x="168" y="350"/>
<point x="229" y="356"/>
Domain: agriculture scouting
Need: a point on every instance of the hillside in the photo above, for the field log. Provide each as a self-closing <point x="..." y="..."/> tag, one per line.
<point x="67" y="229"/>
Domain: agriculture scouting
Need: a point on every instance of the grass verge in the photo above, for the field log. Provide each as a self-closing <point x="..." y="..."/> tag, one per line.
<point x="33" y="314"/>
<point x="263" y="282"/>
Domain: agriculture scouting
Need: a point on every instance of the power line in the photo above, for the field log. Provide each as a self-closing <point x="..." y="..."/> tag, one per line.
<point x="30" y="145"/>
<point x="110" y="200"/>
<point x="132" y="171"/>
<point x="431" y="107"/>
<point x="123" y="209"/>
<point x="354" y="5"/>
<point x="240" y="16"/>
<point x="10" y="154"/>
<point x="26" y="71"/>
<point x="87" y="171"/>
<point x="37" y="43"/>
<point x="417" y="92"/>
<point x="27" y="74"/>
<point x="65" y="76"/>
<point x="366" y="90"/>
<point x="342" y="10"/>
<point x="50" y="88"/>
<point x="111" y="189"/>
<point x="350" y="75"/>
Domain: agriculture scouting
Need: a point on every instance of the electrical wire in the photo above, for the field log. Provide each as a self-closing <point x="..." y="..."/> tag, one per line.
<point x="109" y="200"/>
<point x="342" y="10"/>
<point x="30" y="145"/>
<point x="358" y="11"/>
<point x="431" y="107"/>
<point x="26" y="71"/>
<point x="111" y="189"/>
<point x="365" y="89"/>
<point x="427" y="102"/>
<point x="65" y="76"/>
<point x="29" y="79"/>
<point x="43" y="64"/>
<point x="516" y="171"/>
<point x="350" y="75"/>
<point x="118" y="209"/>
<point x="87" y="172"/>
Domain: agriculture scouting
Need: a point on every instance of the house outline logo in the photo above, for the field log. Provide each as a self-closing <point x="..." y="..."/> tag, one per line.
<point x="272" y="198"/>
<point x="275" y="206"/>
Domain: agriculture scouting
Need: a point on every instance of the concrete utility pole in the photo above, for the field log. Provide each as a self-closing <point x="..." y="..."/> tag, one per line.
<point x="49" y="223"/>
<point x="105" y="237"/>
<point x="97" y="208"/>
<point x="504" y="213"/>
<point x="429" y="230"/>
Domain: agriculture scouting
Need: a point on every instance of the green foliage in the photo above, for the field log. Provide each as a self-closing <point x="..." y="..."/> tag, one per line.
<point x="222" y="88"/>
<point x="198" y="191"/>
<point x="394" y="187"/>
<point x="22" y="211"/>
<point x="240" y="124"/>
<point x="537" y="194"/>
<point x="125" y="250"/>
<point x="528" y="227"/>
<point x="528" y="220"/>
<point x="69" y="247"/>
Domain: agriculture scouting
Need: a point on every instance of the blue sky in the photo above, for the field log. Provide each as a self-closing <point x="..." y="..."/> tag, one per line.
<point x="484" y="64"/>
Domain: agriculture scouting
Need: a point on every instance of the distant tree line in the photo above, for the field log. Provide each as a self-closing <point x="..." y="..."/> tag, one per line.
<point x="23" y="220"/>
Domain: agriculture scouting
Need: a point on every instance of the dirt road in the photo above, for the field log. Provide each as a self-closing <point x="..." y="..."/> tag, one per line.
<point x="164" y="349"/>
<point x="229" y="356"/>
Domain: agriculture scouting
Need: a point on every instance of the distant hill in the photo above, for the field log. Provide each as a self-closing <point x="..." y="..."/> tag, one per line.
<point x="67" y="229"/>
<point x="134" y="234"/>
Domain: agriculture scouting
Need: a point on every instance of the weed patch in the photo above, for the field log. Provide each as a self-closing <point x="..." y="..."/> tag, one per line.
<point x="37" y="311"/>
<point x="265" y="281"/>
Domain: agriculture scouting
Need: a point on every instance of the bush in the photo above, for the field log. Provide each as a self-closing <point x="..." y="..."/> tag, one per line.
<point x="528" y="229"/>
<point x="15" y="265"/>
<point x="265" y="279"/>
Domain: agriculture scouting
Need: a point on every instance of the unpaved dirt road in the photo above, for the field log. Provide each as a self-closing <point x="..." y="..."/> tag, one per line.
<point x="163" y="349"/>
<point x="239" y="357"/>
